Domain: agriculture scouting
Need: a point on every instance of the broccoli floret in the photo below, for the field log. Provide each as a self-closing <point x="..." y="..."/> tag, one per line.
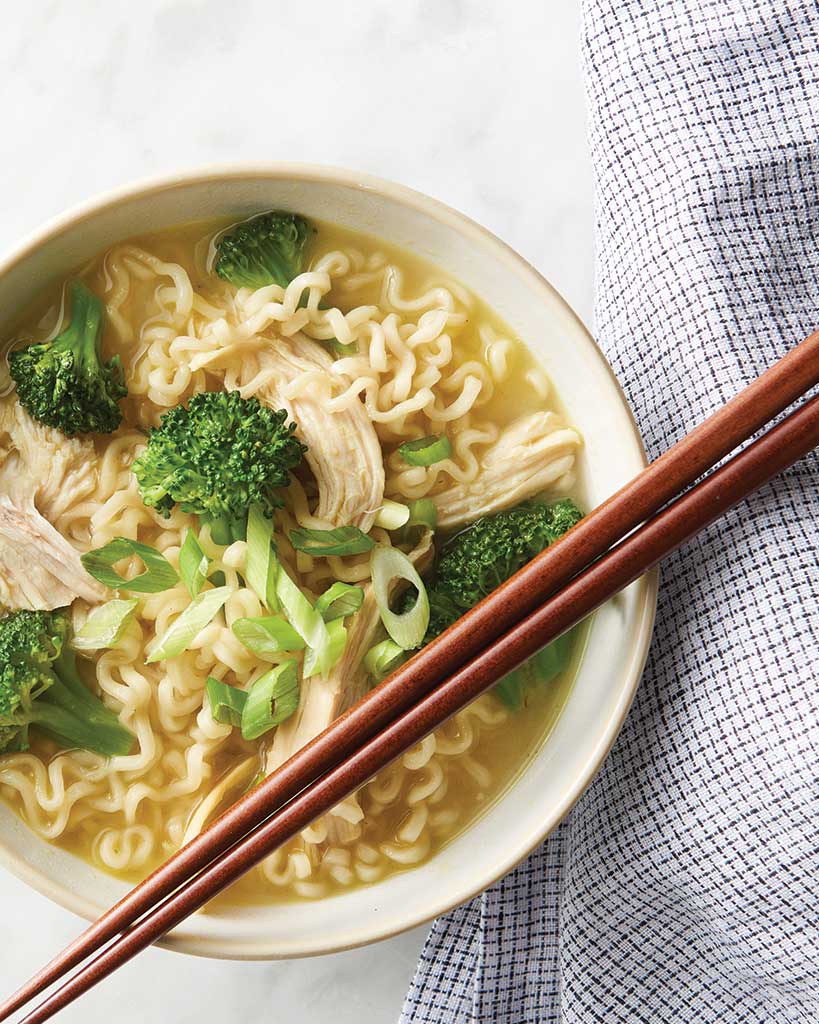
<point x="477" y="560"/>
<point x="267" y="249"/>
<point x="443" y="610"/>
<point x="216" y="458"/>
<point x="40" y="686"/>
<point x="64" y="383"/>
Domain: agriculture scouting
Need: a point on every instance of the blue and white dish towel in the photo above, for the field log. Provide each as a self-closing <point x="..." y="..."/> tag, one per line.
<point x="684" y="887"/>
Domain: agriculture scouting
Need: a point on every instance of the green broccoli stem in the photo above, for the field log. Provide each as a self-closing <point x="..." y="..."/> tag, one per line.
<point x="70" y="731"/>
<point x="81" y="337"/>
<point x="74" y="717"/>
<point x="224" y="530"/>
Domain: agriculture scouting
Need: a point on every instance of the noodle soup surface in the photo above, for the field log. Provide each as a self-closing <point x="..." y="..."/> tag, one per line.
<point x="367" y="349"/>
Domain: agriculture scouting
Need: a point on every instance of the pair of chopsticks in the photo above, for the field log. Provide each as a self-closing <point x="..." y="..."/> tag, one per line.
<point x="604" y="553"/>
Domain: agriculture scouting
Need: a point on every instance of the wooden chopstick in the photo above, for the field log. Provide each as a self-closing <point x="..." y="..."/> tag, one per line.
<point x="761" y="401"/>
<point x="776" y="450"/>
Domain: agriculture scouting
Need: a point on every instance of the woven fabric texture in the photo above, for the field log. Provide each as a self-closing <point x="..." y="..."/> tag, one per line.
<point x="683" y="887"/>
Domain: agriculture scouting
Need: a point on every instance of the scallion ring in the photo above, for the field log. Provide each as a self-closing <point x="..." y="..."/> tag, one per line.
<point x="382" y="658"/>
<point x="389" y="565"/>
<point x="159" y="574"/>
<point x="425" y="451"/>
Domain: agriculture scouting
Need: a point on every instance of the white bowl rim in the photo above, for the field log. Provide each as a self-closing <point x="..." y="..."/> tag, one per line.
<point x="464" y="225"/>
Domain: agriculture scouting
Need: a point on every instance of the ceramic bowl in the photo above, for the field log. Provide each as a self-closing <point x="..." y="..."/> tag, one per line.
<point x="619" y="636"/>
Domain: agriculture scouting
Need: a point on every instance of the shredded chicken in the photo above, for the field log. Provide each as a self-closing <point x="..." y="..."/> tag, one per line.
<point x="343" y="449"/>
<point x="532" y="454"/>
<point x="41" y="473"/>
<point x="324" y="699"/>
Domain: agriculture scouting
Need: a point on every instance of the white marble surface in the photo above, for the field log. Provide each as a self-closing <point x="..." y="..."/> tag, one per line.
<point x="477" y="103"/>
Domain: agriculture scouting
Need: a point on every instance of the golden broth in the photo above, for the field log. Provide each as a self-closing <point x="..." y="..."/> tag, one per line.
<point x="500" y="743"/>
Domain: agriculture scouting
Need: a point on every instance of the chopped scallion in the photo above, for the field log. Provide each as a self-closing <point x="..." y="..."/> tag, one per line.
<point x="271" y="699"/>
<point x="337" y="633"/>
<point x="226" y="702"/>
<point x="381" y="659"/>
<point x="105" y="625"/>
<point x="304" y="618"/>
<point x="408" y="629"/>
<point x="267" y="636"/>
<point x="262" y="564"/>
<point x="339" y="601"/>
<point x="181" y="633"/>
<point x="423" y="512"/>
<point x="344" y="540"/>
<point x="426" y="450"/>
<point x="159" y="573"/>
<point x="193" y="564"/>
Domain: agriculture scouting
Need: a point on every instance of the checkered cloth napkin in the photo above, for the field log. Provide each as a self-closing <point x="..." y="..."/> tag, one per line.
<point x="683" y="887"/>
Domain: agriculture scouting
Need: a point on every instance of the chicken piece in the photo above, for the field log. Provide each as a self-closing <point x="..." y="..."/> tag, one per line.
<point x="50" y="468"/>
<point x="323" y="700"/>
<point x="532" y="454"/>
<point x="39" y="569"/>
<point x="342" y="447"/>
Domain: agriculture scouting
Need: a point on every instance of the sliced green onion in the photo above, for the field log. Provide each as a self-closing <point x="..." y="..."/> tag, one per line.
<point x="267" y="636"/>
<point x="426" y="450"/>
<point x="423" y="512"/>
<point x="304" y="618"/>
<point x="193" y="564"/>
<point x="407" y="630"/>
<point x="337" y="632"/>
<point x="226" y="702"/>
<point x="159" y="573"/>
<point x="392" y="515"/>
<point x="381" y="659"/>
<point x="179" y="635"/>
<point x="344" y="540"/>
<point x="105" y="625"/>
<point x="262" y="564"/>
<point x="270" y="700"/>
<point x="339" y="601"/>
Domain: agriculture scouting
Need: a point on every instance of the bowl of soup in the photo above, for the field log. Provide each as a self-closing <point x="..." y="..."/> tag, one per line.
<point x="221" y="394"/>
